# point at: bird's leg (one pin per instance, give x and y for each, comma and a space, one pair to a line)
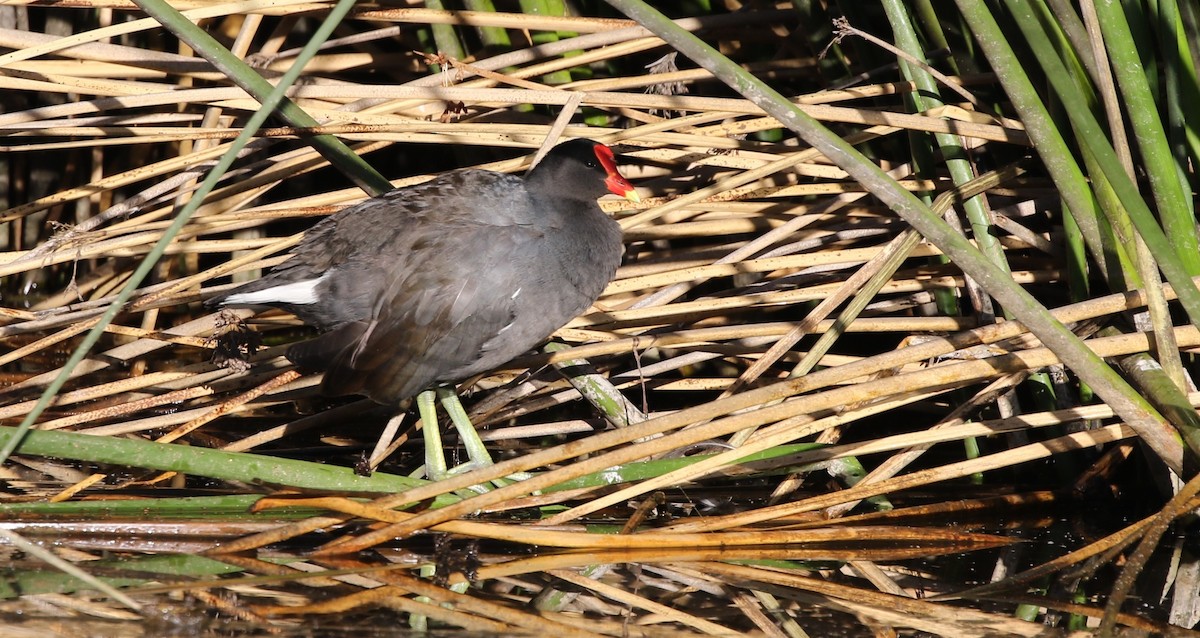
435, 460
435, 457
476, 450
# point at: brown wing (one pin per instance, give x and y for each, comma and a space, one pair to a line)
431, 325
349, 250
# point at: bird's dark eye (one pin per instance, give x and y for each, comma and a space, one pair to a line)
591, 164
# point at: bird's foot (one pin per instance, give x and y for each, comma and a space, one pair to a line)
475, 465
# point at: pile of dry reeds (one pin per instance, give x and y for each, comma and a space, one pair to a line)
821, 382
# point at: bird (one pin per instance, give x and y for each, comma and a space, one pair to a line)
419, 288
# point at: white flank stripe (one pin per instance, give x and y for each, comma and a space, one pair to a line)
299, 293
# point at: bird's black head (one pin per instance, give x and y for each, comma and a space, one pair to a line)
580, 169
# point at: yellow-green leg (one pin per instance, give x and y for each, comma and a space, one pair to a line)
476, 450
435, 456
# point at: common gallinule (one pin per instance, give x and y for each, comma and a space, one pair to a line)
424, 286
